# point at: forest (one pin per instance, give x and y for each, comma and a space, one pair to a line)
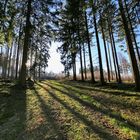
96, 96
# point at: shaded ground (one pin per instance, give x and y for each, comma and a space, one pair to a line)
67, 110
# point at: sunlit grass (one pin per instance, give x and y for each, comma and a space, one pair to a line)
124, 126
68, 110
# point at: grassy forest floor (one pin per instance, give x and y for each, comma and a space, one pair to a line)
68, 110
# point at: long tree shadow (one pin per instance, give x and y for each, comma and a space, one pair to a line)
104, 111
98, 130
124, 91
52, 124
102, 100
12, 112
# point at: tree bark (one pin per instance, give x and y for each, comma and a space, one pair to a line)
113, 54
6, 62
85, 69
13, 64
81, 63
132, 30
105, 48
74, 67
131, 52
2, 60
99, 51
22, 77
116, 57
10, 57
18, 51
35, 62
109, 56
89, 49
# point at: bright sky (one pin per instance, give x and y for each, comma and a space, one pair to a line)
54, 63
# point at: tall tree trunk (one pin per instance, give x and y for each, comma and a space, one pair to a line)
39, 71
85, 69
113, 54
89, 49
105, 48
10, 57
2, 60
22, 77
31, 61
130, 46
80, 50
99, 51
13, 61
116, 57
81, 63
6, 62
35, 62
39, 68
110, 62
18, 51
132, 30
74, 67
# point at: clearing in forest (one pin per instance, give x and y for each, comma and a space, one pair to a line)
68, 110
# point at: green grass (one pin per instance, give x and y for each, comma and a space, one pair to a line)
69, 110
